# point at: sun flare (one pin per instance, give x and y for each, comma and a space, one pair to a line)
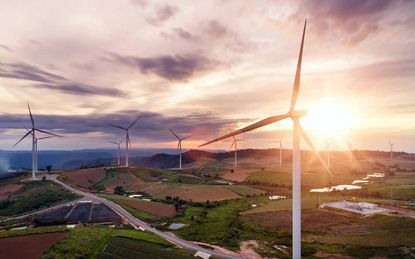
329, 117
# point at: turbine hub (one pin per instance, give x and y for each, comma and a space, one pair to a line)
297, 114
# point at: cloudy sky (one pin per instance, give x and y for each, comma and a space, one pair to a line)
205, 68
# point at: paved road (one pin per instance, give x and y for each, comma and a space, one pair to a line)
138, 223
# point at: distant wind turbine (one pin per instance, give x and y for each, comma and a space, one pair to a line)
127, 137
350, 152
179, 146
280, 148
391, 149
297, 133
235, 145
119, 150
33, 131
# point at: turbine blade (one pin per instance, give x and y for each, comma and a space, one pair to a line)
311, 145
186, 137
178, 145
122, 140
46, 132
112, 142
45, 137
298, 72
31, 116
25, 135
174, 134
256, 125
116, 126
134, 122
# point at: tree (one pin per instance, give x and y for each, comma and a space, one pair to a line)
119, 190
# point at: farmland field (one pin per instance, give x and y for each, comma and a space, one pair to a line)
8, 190
30, 246
309, 179
119, 177
157, 209
327, 227
238, 175
245, 190
84, 178
191, 192
121, 247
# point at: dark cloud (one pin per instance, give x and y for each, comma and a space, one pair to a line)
170, 67
183, 34
52, 81
81, 89
215, 29
352, 20
162, 13
152, 126
27, 72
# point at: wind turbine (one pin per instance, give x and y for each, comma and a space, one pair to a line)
297, 133
350, 152
36, 140
391, 148
179, 146
280, 148
235, 144
119, 150
127, 137
32, 131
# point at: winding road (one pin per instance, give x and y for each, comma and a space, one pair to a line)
138, 223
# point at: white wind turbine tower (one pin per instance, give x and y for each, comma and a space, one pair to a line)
36, 140
297, 133
391, 149
119, 150
32, 131
127, 137
350, 152
235, 145
179, 146
280, 148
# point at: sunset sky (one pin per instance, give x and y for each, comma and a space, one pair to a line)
205, 68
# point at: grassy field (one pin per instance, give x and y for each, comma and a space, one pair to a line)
309, 179
121, 247
35, 196
90, 242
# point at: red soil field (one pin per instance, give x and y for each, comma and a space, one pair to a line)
87, 177
158, 209
30, 246
239, 175
9, 189
128, 181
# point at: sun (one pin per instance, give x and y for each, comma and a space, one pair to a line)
329, 117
